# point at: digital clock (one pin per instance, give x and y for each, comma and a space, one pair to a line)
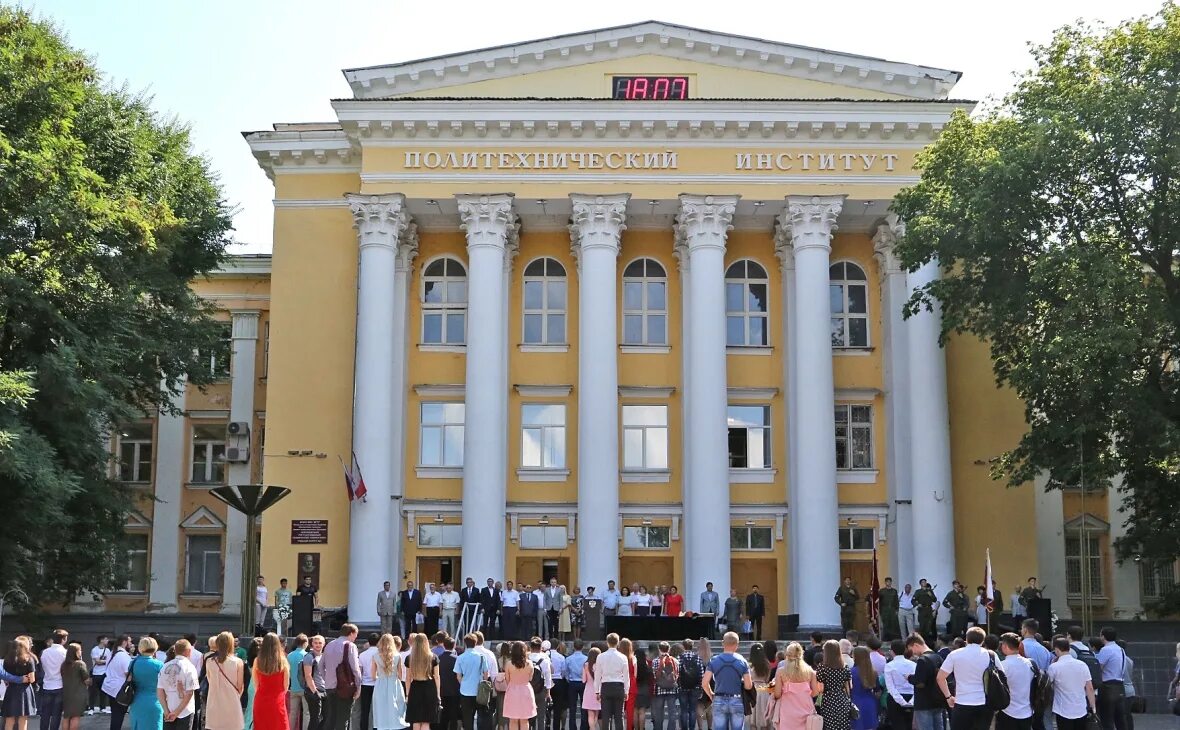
650, 87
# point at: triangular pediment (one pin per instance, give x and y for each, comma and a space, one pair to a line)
762, 68
202, 518
136, 521
1089, 522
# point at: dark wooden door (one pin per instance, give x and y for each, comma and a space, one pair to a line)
762, 572
861, 573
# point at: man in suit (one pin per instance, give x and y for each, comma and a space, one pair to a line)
529, 610
554, 600
411, 602
711, 603
489, 599
755, 610
386, 608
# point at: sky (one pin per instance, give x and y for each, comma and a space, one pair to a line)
227, 66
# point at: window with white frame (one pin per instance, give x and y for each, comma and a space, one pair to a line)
854, 436
751, 538
442, 434
544, 303
645, 303
440, 535
135, 453
645, 437
746, 288
137, 563
849, 291
538, 537
749, 437
1156, 579
208, 456
218, 359
1083, 573
202, 565
647, 537
857, 538
444, 303
266, 349
542, 435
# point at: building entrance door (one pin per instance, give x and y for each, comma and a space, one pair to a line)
439, 571
746, 573
646, 570
861, 573
530, 569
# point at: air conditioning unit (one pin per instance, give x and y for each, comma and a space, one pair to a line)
238, 428
237, 455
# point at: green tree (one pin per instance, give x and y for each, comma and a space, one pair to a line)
1055, 217
105, 217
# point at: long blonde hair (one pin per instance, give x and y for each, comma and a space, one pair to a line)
271, 658
793, 668
225, 646
420, 657
386, 650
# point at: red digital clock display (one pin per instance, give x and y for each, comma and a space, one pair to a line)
650, 87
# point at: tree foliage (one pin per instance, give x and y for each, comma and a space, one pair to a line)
105, 217
1055, 216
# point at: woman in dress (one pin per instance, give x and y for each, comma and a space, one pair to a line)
75, 681
627, 649
673, 602
272, 677
795, 688
248, 698
145, 711
732, 610
224, 674
577, 612
836, 706
626, 603
422, 695
20, 700
590, 701
520, 705
389, 696
642, 602
657, 601
642, 678
565, 624
760, 672
503, 661
866, 692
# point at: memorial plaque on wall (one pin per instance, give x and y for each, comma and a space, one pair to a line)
309, 565
309, 532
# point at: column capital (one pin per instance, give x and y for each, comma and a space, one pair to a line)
597, 221
488, 220
380, 220
245, 324
703, 220
407, 248
889, 232
782, 243
812, 219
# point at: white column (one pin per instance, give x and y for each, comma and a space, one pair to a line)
596, 228
894, 294
810, 222
1124, 577
407, 250
241, 408
1050, 522
930, 443
786, 256
166, 515
701, 226
691, 595
491, 227
381, 222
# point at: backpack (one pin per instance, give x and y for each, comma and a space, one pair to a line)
690, 677
996, 694
1040, 691
1087, 657
666, 674
536, 681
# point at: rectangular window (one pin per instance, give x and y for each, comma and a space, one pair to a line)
750, 538
1156, 580
135, 453
857, 538
854, 436
438, 535
218, 359
442, 434
646, 537
1077, 580
137, 563
537, 537
645, 437
203, 565
208, 454
542, 436
749, 437
266, 350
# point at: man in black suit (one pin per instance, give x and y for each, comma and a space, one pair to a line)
489, 599
449, 686
469, 595
411, 603
755, 610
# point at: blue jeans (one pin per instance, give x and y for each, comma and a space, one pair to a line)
728, 713
688, 708
50, 708
664, 711
930, 719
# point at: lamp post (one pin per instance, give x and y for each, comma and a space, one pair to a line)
251, 500
4, 599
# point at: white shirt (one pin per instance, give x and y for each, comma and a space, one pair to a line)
51, 660
194, 658
432, 599
625, 604
366, 659
905, 600
540, 594
542, 661
897, 682
116, 673
610, 599
450, 600
176, 678
510, 599
611, 666
967, 664
161, 656
641, 599
489, 661
260, 595
1020, 676
99, 653
1069, 677
878, 660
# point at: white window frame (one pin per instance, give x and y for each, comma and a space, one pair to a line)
646, 463
767, 433
1155, 580
142, 554
547, 434
444, 309
220, 360
204, 590
136, 445
748, 544
552, 271
643, 537
747, 315
266, 349
851, 532
844, 317
203, 451
645, 312
1073, 564
449, 535
849, 427
443, 427
552, 537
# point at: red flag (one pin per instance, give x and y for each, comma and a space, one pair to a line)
875, 599
348, 483
358, 480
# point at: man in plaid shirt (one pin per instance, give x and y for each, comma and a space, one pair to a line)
692, 671
666, 671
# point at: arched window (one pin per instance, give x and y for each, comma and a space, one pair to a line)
848, 289
444, 303
645, 303
544, 303
745, 304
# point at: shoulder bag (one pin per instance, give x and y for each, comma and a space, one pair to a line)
345, 681
126, 693
996, 695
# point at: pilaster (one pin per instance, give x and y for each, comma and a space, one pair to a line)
785, 252
244, 333
164, 568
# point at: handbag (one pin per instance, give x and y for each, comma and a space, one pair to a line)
483, 693
346, 687
853, 711
500, 683
126, 693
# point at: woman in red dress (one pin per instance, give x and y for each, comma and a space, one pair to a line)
272, 678
628, 650
673, 602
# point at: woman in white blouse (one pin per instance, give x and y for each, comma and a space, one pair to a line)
626, 603
642, 601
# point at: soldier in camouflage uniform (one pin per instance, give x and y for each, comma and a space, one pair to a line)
889, 605
926, 601
958, 604
847, 597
